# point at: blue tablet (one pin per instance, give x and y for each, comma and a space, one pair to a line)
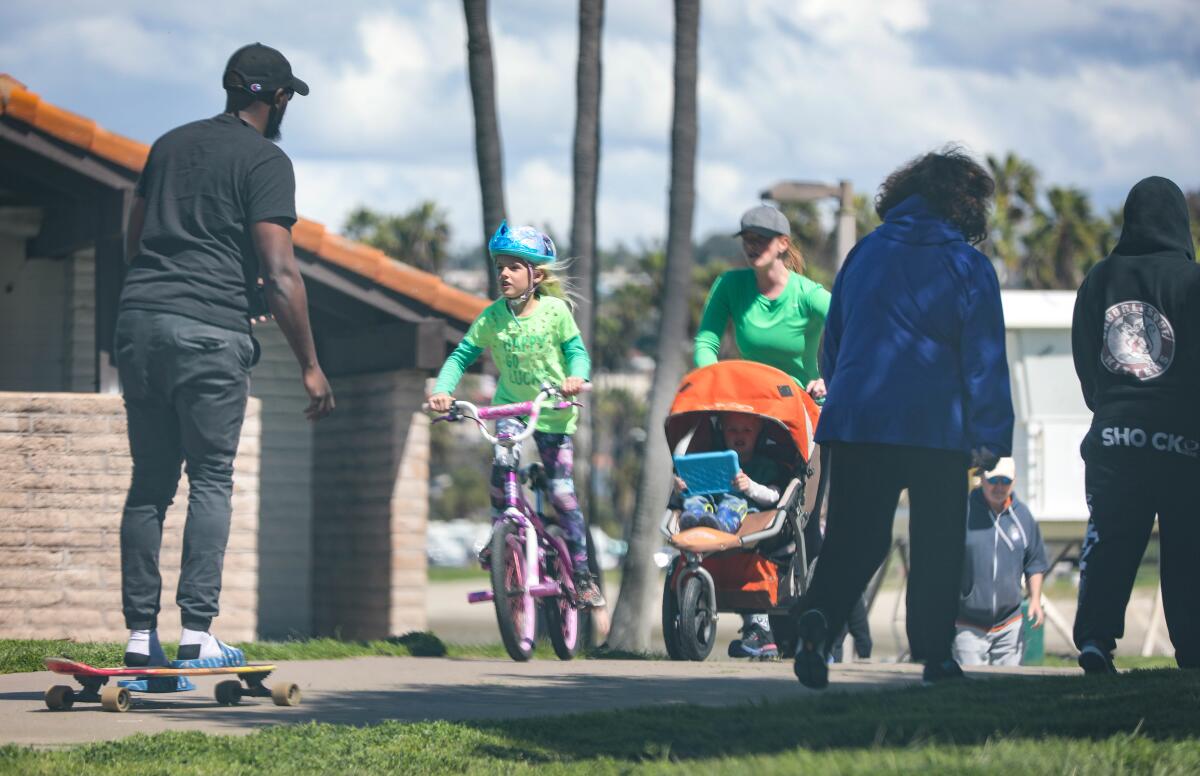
707, 473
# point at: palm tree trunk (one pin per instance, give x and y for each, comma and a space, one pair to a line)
488, 153
586, 266
639, 585
587, 163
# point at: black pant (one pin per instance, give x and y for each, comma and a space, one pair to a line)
185, 385
1127, 486
858, 625
865, 485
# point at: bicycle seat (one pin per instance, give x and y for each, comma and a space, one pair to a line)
535, 475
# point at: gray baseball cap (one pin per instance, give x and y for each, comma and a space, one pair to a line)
764, 220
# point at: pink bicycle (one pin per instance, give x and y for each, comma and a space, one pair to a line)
529, 561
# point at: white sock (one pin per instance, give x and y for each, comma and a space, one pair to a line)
209, 646
139, 642
761, 620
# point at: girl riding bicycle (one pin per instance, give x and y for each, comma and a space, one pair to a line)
534, 340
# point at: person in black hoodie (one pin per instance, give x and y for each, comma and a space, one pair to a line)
1135, 338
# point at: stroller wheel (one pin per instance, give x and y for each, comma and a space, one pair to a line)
697, 621
670, 617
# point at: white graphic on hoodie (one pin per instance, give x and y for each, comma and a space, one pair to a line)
1138, 341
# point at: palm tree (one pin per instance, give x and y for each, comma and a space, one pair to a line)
636, 606
587, 163
1065, 241
586, 267
420, 237
488, 151
1016, 209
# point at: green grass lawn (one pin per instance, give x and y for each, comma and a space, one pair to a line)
1125, 662
1142, 722
18, 656
437, 574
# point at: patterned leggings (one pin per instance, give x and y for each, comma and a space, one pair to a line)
558, 456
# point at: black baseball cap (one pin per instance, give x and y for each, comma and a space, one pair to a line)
261, 70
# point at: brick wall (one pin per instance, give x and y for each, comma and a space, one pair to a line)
64, 472
370, 490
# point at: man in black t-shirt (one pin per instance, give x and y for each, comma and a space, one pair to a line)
213, 213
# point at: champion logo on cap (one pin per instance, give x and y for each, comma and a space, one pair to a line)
256, 87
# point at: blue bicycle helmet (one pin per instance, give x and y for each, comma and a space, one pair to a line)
524, 242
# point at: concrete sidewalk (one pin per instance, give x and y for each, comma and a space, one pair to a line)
370, 690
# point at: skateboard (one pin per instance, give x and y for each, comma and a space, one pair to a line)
157, 679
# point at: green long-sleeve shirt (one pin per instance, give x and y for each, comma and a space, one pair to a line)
543, 346
783, 332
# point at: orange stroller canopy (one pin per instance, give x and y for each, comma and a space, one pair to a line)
743, 386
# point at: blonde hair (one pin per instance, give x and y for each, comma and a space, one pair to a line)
793, 259
556, 282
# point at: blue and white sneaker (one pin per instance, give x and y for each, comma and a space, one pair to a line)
210, 652
756, 643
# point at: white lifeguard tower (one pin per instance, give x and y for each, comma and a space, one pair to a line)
1051, 417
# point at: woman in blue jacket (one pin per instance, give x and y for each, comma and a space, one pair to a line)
918, 391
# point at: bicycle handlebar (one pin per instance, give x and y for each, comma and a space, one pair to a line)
531, 408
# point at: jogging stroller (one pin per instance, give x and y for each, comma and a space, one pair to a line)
764, 566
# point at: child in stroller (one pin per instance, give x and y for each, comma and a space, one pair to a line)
757, 481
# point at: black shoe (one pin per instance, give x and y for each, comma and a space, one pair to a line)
941, 671
756, 643
1094, 660
812, 666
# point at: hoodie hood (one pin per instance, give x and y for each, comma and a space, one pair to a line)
1156, 221
912, 221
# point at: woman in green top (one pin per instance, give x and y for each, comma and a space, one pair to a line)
778, 315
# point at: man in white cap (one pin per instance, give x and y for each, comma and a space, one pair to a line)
1003, 545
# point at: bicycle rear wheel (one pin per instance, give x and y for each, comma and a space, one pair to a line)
562, 618
514, 606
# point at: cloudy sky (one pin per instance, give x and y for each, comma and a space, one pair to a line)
1097, 93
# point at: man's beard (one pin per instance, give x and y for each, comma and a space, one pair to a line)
274, 121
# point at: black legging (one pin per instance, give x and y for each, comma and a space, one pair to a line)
865, 485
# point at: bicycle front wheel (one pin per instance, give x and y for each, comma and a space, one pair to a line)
514, 606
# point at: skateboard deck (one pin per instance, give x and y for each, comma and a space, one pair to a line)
63, 665
159, 679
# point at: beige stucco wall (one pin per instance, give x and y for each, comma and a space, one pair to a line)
64, 472
371, 502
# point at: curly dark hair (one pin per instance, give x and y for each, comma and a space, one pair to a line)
956, 187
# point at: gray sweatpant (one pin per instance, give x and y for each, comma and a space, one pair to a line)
185, 385
979, 647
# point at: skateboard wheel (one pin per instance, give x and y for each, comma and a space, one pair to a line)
285, 695
115, 699
60, 698
229, 693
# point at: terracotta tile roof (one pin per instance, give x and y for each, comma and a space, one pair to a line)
17, 102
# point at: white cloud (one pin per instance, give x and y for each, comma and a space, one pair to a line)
1097, 93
